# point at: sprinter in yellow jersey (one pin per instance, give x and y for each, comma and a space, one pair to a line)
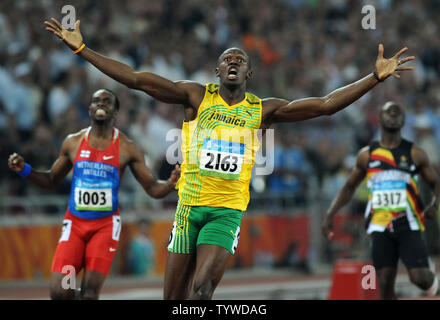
214, 184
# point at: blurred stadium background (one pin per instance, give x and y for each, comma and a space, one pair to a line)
299, 48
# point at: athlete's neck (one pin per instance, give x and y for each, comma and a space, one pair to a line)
390, 139
232, 95
102, 131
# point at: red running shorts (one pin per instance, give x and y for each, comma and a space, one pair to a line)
89, 244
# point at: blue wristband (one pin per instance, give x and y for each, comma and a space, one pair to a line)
26, 171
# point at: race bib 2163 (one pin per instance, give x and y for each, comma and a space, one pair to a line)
222, 159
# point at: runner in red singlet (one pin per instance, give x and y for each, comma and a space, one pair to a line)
91, 226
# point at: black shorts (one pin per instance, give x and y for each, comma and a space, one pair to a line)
387, 247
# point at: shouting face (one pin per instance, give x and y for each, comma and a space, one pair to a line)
233, 67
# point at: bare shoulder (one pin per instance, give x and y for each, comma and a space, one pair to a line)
125, 142
273, 103
417, 150
190, 85
364, 151
194, 92
270, 106
73, 139
128, 147
128, 150
363, 157
419, 156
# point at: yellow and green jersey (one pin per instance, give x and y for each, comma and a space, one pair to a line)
218, 149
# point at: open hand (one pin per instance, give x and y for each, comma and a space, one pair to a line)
73, 38
388, 67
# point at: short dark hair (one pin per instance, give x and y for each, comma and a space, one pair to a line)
114, 96
393, 103
237, 50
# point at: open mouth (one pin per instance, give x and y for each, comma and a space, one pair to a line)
101, 112
232, 74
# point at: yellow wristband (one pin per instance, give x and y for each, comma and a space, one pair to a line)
79, 49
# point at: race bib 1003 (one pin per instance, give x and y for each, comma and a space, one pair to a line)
222, 159
93, 199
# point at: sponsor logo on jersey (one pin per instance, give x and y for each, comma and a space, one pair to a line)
403, 162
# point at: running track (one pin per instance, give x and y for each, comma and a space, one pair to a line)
249, 285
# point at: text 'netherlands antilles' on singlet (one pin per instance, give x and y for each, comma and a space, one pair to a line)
96, 179
392, 181
219, 149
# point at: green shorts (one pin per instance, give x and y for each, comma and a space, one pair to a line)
195, 225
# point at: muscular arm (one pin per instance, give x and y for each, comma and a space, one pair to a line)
346, 193
52, 178
430, 175
280, 110
187, 93
162, 89
155, 188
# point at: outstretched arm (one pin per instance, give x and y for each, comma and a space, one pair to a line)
155, 188
187, 93
430, 175
50, 179
346, 193
280, 110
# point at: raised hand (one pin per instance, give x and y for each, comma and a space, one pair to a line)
388, 67
16, 162
73, 38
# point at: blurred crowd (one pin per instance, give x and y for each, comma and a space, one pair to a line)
299, 48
